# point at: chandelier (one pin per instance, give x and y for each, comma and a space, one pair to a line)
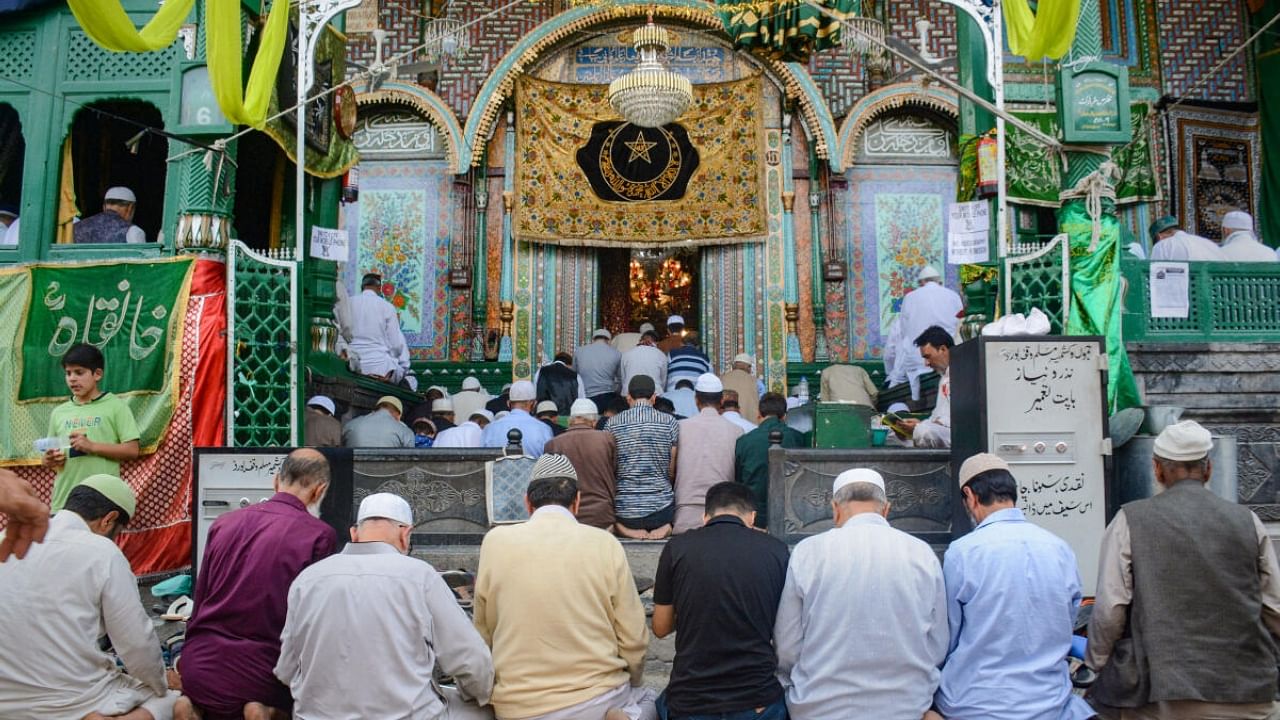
651, 95
865, 36
444, 38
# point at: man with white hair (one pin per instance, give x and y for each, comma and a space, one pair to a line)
467, 435
367, 628
594, 454
115, 223
707, 443
1012, 595
928, 305
1239, 244
556, 601
741, 379
472, 397
862, 626
534, 433
1188, 606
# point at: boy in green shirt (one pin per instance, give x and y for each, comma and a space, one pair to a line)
97, 426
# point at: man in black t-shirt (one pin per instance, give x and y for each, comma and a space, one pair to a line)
718, 587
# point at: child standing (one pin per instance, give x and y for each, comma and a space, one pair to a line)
97, 426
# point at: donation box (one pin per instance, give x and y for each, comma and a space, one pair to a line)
1040, 403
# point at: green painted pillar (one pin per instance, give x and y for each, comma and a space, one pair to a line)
480, 264
818, 284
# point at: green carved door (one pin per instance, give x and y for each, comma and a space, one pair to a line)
262, 371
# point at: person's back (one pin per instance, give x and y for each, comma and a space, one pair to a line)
644, 360
466, 435
558, 383
467, 401
594, 454
377, 429
321, 429
1242, 246
707, 443
722, 583
743, 383
104, 227
645, 438
597, 364
1183, 246
751, 452
848, 383
686, 362
928, 305
375, 333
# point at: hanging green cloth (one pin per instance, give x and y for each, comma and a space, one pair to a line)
243, 105
107, 24
1095, 294
789, 30
1046, 32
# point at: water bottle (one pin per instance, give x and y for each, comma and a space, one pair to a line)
802, 390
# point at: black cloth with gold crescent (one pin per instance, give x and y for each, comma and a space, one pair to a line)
629, 163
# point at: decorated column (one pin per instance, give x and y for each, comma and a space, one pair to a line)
480, 264
506, 304
791, 287
818, 292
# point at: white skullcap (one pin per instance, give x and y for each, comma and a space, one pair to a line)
646, 328
1237, 220
708, 383
602, 333
482, 413
675, 320
1183, 442
442, 390
523, 391
385, 505
547, 406
856, 475
322, 401
583, 407
744, 358
471, 383
442, 405
927, 273
899, 407
552, 465
500, 414
979, 464
120, 194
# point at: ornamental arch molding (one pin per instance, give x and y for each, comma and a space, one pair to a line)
427, 104
792, 78
900, 97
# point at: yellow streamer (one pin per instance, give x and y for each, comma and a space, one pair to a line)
247, 106
107, 24
1047, 32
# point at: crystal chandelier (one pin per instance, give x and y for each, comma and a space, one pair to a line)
862, 35
651, 95
444, 38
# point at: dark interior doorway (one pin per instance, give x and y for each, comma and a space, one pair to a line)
13, 149
110, 148
264, 191
648, 285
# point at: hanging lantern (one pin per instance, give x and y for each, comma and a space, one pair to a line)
988, 167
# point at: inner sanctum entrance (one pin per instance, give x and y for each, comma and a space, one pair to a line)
648, 285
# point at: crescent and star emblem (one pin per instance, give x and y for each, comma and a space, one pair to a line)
640, 148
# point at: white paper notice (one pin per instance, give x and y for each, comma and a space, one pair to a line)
329, 244
968, 231
1169, 290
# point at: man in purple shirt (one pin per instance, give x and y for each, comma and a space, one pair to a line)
241, 596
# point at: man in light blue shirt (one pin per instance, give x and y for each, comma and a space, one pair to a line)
1012, 594
534, 433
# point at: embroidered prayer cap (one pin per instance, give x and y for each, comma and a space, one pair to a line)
471, 383
1168, 222
523, 391
583, 407
856, 475
442, 405
1183, 442
120, 194
552, 465
321, 401
387, 506
482, 413
113, 489
390, 401
745, 359
675, 320
444, 392
602, 333
928, 272
1237, 220
547, 406
708, 383
978, 464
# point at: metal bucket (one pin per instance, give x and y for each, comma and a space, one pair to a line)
1159, 417
1135, 479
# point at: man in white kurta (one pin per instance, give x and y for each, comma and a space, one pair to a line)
376, 338
1239, 244
934, 349
928, 305
55, 603
862, 625
1173, 243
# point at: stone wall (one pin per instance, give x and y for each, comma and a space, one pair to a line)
1232, 389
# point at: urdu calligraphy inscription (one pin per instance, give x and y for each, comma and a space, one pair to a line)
112, 312
908, 136
397, 136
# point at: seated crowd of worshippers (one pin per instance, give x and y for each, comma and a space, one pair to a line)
858, 621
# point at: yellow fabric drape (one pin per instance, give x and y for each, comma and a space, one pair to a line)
67, 210
107, 24
243, 105
1047, 32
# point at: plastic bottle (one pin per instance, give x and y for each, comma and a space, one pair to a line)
802, 390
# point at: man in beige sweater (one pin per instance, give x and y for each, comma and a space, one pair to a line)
556, 602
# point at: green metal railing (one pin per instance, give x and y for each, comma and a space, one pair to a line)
262, 371
1229, 302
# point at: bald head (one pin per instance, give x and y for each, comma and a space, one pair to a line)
304, 474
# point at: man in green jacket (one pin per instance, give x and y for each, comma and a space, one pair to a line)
751, 455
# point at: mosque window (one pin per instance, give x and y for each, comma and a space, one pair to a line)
110, 148
12, 149
264, 191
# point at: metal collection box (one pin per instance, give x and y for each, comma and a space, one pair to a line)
842, 425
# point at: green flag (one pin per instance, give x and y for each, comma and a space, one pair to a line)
789, 30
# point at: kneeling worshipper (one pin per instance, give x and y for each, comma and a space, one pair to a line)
56, 603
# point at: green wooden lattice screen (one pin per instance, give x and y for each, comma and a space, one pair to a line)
262, 372
1039, 279
1229, 302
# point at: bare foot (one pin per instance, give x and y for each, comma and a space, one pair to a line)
628, 533
659, 534
616, 714
932, 715
258, 711
184, 709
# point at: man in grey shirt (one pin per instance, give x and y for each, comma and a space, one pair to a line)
597, 365
381, 428
367, 627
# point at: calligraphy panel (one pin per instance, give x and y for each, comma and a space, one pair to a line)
131, 311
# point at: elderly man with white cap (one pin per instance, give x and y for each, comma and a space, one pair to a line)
70, 590
470, 398
367, 628
1188, 607
1239, 244
927, 305
1012, 594
597, 364
467, 435
741, 378
707, 443
381, 428
1171, 242
319, 426
534, 433
594, 454
115, 223
556, 601
862, 626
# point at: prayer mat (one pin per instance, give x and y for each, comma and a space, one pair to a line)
506, 481
1217, 162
